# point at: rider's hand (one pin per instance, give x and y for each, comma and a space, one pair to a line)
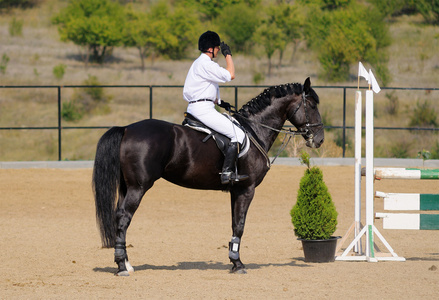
225, 105
225, 49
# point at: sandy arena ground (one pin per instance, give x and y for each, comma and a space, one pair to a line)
178, 243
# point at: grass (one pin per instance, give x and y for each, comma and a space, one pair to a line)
413, 62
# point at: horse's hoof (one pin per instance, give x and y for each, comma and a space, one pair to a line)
238, 271
130, 269
122, 273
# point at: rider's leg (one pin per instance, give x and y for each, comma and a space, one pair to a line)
228, 171
206, 113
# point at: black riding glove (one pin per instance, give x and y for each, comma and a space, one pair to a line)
225, 49
225, 105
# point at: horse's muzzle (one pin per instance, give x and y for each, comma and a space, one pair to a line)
313, 134
315, 140
313, 144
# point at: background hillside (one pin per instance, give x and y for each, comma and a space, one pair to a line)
33, 55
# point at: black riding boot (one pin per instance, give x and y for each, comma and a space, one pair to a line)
228, 175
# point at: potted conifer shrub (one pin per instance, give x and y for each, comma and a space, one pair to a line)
314, 215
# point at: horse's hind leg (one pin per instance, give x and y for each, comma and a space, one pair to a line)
127, 206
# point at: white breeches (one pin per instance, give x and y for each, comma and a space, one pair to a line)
206, 113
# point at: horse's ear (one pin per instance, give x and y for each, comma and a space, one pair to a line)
307, 85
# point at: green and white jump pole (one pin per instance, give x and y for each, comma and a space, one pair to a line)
405, 201
406, 173
409, 201
409, 221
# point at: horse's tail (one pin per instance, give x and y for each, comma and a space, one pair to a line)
106, 180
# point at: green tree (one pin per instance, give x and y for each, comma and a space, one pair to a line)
93, 24
326, 4
394, 7
334, 4
429, 10
161, 31
184, 32
7, 4
344, 36
290, 20
211, 9
239, 23
136, 33
271, 38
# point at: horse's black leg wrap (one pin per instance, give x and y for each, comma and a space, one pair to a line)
120, 256
124, 267
238, 266
234, 245
120, 253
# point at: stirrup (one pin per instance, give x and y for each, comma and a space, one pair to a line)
237, 177
230, 177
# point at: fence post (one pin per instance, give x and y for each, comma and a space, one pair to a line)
150, 101
59, 123
236, 97
344, 121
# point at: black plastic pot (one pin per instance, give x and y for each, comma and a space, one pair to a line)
320, 251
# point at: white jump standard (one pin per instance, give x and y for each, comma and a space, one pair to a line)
369, 231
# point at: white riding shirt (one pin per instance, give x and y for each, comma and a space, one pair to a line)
202, 83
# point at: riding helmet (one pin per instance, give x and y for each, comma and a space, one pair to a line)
207, 40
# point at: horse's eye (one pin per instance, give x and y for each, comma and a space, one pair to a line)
312, 104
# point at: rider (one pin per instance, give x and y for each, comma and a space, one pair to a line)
201, 90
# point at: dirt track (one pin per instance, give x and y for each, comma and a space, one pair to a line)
177, 243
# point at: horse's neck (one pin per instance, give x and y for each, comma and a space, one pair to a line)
267, 123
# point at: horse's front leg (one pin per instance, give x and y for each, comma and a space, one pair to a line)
240, 199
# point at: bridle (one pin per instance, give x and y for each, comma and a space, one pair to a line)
309, 135
307, 132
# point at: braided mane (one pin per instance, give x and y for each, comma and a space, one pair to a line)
263, 100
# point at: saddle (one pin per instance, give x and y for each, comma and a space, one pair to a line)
221, 140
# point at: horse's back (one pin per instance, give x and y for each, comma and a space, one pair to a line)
145, 147
148, 127
152, 149
144, 136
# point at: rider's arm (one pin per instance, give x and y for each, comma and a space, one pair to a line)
230, 66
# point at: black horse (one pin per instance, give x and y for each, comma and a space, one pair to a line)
130, 159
